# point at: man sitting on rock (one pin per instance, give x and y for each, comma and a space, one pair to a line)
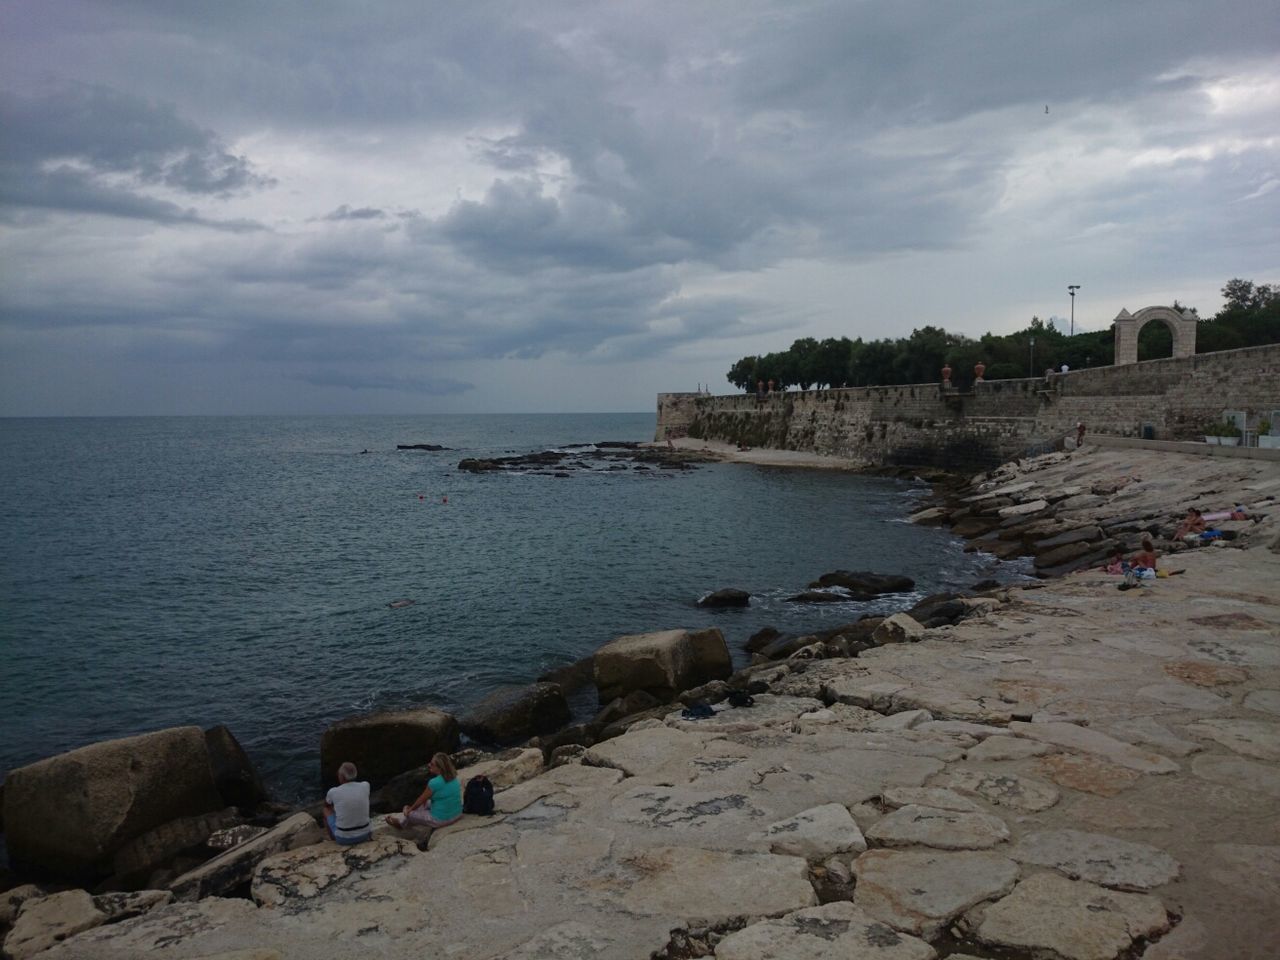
346, 808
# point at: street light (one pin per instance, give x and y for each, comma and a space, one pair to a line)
1071, 289
1032, 372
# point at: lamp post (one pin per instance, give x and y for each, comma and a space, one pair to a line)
1032, 371
1071, 289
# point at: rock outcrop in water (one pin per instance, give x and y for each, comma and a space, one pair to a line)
604, 456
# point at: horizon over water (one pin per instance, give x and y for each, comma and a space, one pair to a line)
160, 571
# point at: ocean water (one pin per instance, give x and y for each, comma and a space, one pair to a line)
239, 570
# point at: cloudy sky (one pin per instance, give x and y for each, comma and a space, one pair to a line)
297, 206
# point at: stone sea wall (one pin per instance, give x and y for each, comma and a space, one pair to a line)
924, 425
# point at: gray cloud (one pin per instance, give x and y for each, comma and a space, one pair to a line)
431, 387
346, 212
379, 188
84, 148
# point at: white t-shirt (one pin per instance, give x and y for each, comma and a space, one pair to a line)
350, 802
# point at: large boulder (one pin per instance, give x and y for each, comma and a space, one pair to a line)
865, 583
900, 628
233, 772
511, 714
137, 859
572, 677
382, 745
66, 816
661, 664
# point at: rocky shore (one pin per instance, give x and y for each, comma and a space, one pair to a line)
1069, 770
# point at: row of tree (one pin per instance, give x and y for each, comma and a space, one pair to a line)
1250, 317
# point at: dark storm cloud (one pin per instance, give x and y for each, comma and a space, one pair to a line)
470, 182
85, 148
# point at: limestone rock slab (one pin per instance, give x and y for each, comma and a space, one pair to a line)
938, 797
1184, 696
903, 720
943, 829
711, 884
1023, 509
660, 751
818, 933
767, 711
1258, 739
165, 931
1264, 701
11, 901
506, 773
1004, 789
571, 940
230, 869
1073, 737
46, 921
921, 892
685, 809
122, 906
1006, 748
816, 834
1098, 858
979, 731
1088, 773
1148, 731
305, 873
574, 779
1238, 773
1073, 919
868, 692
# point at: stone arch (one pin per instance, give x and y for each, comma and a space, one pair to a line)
1182, 327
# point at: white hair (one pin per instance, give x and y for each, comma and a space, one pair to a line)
347, 771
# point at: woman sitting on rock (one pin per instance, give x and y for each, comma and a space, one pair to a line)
1145, 559
1191, 527
440, 802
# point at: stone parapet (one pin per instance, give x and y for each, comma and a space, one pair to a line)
924, 424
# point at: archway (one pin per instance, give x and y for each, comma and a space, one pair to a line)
1181, 327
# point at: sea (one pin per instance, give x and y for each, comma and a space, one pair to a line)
162, 571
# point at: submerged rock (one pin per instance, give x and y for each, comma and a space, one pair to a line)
865, 583
728, 597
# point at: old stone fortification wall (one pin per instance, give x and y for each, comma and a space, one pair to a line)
997, 420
